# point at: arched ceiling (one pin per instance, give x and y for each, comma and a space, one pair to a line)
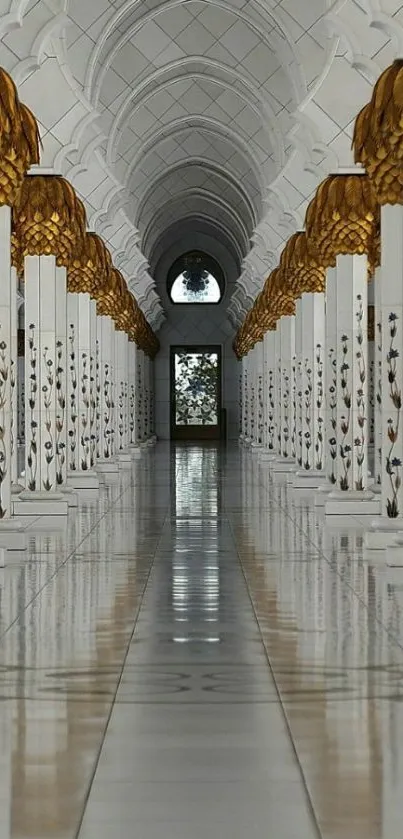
174, 116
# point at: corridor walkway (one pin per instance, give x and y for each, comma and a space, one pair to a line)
199, 656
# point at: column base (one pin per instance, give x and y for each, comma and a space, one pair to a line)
70, 496
3, 555
83, 480
322, 494
107, 466
304, 479
256, 448
352, 503
17, 488
266, 456
144, 444
283, 464
382, 533
124, 457
12, 536
135, 451
376, 489
39, 503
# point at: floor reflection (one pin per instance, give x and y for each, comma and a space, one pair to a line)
199, 651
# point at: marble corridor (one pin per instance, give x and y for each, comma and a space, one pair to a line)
196, 652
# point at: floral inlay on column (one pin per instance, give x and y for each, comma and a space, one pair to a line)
286, 403
121, 427
4, 373
294, 407
319, 409
32, 442
333, 415
93, 412
85, 440
60, 415
98, 398
300, 409
279, 389
379, 402
12, 389
359, 442
132, 406
307, 437
393, 464
345, 448
73, 401
47, 390
260, 410
108, 403
271, 425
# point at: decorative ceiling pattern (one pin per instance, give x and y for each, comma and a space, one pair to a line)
213, 117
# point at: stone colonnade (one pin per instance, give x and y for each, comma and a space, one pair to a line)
86, 385
339, 403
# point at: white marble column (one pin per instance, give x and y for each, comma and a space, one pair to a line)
257, 443
106, 416
9, 527
121, 400
285, 395
15, 486
132, 376
269, 396
390, 298
378, 380
81, 390
140, 398
42, 495
310, 352
331, 378
351, 494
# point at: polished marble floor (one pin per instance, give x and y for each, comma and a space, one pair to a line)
197, 655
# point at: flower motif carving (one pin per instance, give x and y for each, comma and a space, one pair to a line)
49, 444
359, 442
32, 442
108, 409
85, 420
286, 414
345, 419
319, 408
393, 464
332, 414
271, 416
4, 377
379, 403
60, 415
73, 400
307, 437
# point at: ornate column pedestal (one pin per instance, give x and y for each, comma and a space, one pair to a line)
351, 495
285, 351
11, 535
106, 463
42, 495
81, 457
310, 349
386, 527
134, 448
268, 453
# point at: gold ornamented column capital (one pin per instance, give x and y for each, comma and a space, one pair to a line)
88, 270
19, 140
378, 136
49, 218
343, 218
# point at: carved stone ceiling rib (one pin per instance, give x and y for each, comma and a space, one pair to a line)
223, 112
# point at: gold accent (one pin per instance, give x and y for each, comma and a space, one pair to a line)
300, 266
343, 217
378, 136
19, 140
88, 272
49, 218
